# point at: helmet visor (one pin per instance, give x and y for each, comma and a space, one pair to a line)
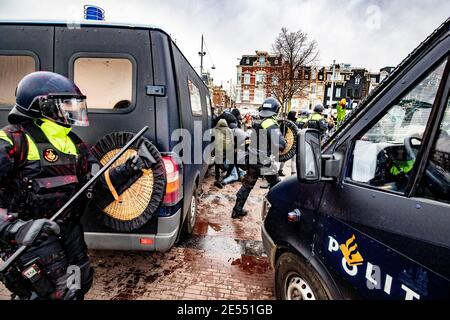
67, 110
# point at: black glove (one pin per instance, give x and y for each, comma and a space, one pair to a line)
145, 156
143, 159
34, 232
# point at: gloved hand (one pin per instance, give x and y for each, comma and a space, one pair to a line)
146, 156
143, 159
34, 232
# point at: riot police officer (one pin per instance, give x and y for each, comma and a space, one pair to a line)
42, 165
266, 140
317, 121
302, 120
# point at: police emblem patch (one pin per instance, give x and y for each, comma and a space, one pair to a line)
50, 155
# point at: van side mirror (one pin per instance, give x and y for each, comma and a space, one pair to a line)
309, 156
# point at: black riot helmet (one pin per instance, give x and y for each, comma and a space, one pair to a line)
319, 108
49, 95
269, 108
237, 114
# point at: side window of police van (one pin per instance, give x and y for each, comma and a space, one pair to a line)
196, 102
106, 82
435, 182
12, 69
384, 155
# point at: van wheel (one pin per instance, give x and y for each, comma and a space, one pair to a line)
295, 280
191, 217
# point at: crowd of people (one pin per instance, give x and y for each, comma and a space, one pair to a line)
231, 123
233, 136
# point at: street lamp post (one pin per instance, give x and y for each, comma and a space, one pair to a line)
202, 53
332, 85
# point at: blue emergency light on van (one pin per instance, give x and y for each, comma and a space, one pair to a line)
94, 13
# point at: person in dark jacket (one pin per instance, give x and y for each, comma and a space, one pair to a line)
266, 140
42, 165
237, 114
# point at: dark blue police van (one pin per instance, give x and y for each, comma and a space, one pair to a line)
368, 215
133, 76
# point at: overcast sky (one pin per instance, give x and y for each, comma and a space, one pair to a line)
367, 33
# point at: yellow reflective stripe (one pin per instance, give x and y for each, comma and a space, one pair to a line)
316, 116
3, 136
268, 123
33, 153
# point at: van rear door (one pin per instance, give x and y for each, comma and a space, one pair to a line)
23, 49
112, 66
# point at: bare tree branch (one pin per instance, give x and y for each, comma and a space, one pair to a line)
297, 52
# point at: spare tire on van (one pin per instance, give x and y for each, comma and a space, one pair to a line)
290, 132
139, 202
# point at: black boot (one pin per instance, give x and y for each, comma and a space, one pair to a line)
238, 210
238, 213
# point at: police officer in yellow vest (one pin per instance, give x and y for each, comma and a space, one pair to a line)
267, 139
317, 121
42, 165
302, 120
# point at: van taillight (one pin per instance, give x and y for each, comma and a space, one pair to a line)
173, 187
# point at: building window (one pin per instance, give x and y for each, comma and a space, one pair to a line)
259, 96
320, 77
259, 78
313, 89
296, 74
247, 78
313, 75
196, 104
262, 60
246, 96
347, 77
328, 92
338, 92
356, 93
247, 61
358, 80
12, 70
349, 92
306, 76
276, 61
107, 82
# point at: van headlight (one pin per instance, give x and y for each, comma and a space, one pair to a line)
265, 208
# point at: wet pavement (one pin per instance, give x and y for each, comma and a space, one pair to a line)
223, 259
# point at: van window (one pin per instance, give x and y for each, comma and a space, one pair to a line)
106, 82
12, 70
196, 103
208, 106
384, 155
436, 179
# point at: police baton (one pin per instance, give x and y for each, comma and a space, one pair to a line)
22, 249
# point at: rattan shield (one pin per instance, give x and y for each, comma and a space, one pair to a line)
137, 203
290, 132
